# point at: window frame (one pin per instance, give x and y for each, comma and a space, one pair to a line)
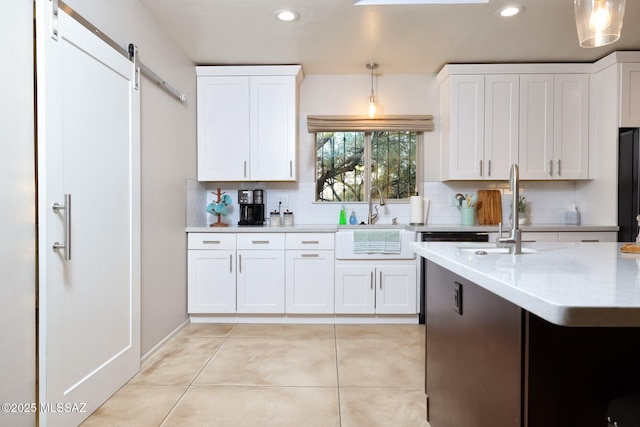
368, 159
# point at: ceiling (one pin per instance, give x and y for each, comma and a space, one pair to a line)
336, 37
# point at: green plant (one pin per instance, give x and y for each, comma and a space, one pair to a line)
522, 204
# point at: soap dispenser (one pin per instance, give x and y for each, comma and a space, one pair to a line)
343, 216
352, 219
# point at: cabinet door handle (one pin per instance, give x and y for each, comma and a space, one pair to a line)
590, 240
489, 168
245, 168
66, 246
550, 167
310, 242
371, 284
559, 174
290, 168
380, 284
230, 263
239, 263
260, 242
310, 255
211, 242
480, 167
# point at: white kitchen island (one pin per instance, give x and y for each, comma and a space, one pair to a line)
545, 338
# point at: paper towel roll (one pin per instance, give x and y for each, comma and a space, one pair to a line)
417, 210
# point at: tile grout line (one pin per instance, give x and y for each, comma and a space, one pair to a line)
335, 341
196, 376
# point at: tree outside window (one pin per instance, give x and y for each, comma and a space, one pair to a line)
349, 164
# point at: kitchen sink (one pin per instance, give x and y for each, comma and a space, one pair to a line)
344, 243
484, 250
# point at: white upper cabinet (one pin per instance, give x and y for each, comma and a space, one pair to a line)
463, 109
630, 94
502, 100
492, 118
481, 114
536, 126
571, 126
247, 123
554, 126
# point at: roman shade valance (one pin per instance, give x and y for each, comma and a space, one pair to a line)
413, 123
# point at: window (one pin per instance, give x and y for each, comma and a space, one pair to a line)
350, 164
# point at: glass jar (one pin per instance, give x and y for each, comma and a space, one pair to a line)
288, 219
274, 219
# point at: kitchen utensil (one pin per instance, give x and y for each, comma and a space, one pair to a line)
467, 215
489, 207
459, 197
632, 248
218, 208
221, 209
474, 199
211, 208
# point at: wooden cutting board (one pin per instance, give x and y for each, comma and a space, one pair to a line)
489, 207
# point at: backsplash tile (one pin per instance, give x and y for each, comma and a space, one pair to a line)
546, 202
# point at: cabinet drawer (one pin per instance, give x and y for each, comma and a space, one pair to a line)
587, 236
211, 241
260, 241
311, 241
542, 236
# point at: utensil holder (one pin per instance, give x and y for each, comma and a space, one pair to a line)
467, 215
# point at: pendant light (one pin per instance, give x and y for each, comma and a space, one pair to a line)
372, 100
599, 22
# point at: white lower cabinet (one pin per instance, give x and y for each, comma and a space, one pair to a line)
260, 281
211, 273
309, 273
380, 288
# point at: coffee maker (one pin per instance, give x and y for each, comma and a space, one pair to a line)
251, 207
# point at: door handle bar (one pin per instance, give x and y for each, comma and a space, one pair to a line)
66, 245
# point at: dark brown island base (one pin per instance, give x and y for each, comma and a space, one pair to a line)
490, 363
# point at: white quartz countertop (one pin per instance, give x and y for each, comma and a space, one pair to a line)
332, 228
569, 284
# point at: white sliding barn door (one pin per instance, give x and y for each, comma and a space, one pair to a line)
88, 149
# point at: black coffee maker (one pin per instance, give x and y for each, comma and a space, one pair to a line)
251, 207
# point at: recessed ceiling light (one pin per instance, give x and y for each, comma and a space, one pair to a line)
286, 15
511, 10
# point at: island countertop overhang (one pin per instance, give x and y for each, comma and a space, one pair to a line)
568, 284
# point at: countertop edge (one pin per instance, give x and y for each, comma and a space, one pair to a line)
562, 315
332, 228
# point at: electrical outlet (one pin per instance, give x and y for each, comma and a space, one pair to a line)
453, 202
283, 201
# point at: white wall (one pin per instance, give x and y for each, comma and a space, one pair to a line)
168, 157
17, 216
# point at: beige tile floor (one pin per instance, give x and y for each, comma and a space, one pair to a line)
277, 375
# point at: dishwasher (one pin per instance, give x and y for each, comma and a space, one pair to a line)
444, 236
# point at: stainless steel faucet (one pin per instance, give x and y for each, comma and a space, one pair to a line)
514, 240
373, 217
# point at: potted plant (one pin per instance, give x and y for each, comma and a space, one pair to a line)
522, 210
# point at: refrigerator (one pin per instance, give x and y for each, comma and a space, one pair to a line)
628, 184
